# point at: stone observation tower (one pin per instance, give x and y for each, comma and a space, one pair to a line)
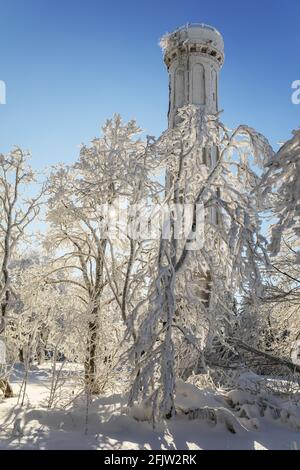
193, 55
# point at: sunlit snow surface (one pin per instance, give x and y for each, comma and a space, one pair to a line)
69, 424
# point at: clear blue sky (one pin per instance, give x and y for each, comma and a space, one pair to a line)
70, 64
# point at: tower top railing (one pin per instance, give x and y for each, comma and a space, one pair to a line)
198, 25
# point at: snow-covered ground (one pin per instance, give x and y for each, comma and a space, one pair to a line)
104, 424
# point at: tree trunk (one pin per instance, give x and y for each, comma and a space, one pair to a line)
256, 352
42, 345
21, 355
4, 383
90, 366
6, 388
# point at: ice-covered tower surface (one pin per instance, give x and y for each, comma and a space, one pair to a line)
193, 55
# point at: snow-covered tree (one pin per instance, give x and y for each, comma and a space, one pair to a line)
278, 316
82, 236
282, 179
17, 211
178, 311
